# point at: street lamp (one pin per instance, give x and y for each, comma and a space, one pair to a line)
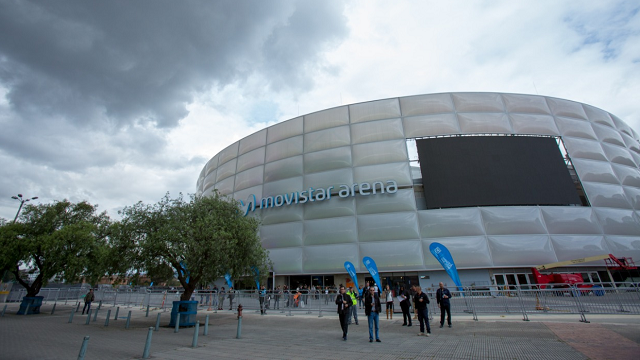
22, 201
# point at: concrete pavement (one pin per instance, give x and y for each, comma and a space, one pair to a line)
276, 336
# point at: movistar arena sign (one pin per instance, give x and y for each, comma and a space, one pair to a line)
321, 194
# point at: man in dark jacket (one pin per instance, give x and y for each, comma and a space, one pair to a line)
344, 303
442, 297
88, 299
372, 309
404, 305
421, 300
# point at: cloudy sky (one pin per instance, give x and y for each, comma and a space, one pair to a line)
117, 101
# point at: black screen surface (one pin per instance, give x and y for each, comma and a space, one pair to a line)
494, 170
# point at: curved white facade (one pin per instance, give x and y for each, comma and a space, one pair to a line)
367, 142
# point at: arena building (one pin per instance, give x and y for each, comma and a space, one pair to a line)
505, 181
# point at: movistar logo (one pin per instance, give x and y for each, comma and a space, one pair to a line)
320, 194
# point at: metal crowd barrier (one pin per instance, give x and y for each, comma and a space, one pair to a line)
604, 298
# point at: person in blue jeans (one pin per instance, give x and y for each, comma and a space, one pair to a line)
372, 309
422, 300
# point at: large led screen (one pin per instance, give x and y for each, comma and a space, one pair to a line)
494, 170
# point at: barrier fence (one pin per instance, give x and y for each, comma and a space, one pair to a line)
605, 298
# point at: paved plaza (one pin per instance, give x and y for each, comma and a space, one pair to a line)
276, 336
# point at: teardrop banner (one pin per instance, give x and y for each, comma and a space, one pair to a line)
257, 276
352, 272
373, 270
227, 277
443, 255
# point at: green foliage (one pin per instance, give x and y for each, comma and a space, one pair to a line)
60, 239
201, 240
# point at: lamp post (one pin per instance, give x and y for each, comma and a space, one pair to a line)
22, 201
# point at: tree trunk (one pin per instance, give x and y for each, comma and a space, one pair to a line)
188, 290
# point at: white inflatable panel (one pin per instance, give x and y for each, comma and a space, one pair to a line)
394, 255
283, 169
395, 171
513, 220
598, 116
618, 221
533, 124
226, 170
467, 252
478, 102
391, 226
450, 222
287, 260
606, 195
328, 209
584, 149
281, 235
633, 195
595, 171
285, 186
624, 246
484, 123
403, 200
561, 107
285, 130
618, 155
326, 119
329, 258
609, 135
249, 178
326, 179
576, 128
225, 187
627, 175
521, 251
228, 153
380, 152
528, 104
250, 159
377, 131
336, 230
573, 247
327, 160
428, 125
374, 110
284, 149
283, 214
327, 139
426, 104
252, 142
570, 220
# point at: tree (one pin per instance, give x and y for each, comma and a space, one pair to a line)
201, 240
61, 239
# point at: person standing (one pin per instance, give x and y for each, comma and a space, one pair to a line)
360, 296
261, 296
232, 294
344, 303
354, 309
388, 297
405, 301
221, 296
372, 309
442, 297
421, 301
277, 297
88, 299
214, 296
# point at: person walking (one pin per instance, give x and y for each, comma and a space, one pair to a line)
231, 295
88, 299
372, 309
421, 301
221, 296
405, 301
344, 303
261, 296
354, 309
442, 298
387, 295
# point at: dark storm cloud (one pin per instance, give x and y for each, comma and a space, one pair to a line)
103, 67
